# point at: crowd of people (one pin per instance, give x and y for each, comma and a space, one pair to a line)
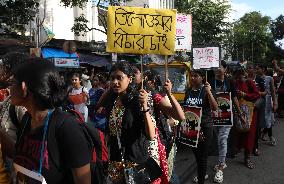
138, 115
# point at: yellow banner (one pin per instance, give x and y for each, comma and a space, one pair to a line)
141, 30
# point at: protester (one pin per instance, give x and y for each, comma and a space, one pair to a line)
95, 93
270, 103
259, 104
246, 89
79, 96
130, 123
166, 109
10, 115
201, 96
37, 86
222, 84
280, 90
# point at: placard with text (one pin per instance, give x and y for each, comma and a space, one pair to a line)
141, 30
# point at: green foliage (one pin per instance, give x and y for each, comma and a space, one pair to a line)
277, 28
15, 14
73, 3
209, 19
252, 37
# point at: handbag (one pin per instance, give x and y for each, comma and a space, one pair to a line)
247, 113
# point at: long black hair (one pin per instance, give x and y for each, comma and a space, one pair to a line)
43, 81
153, 76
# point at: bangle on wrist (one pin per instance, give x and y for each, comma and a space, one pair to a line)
144, 111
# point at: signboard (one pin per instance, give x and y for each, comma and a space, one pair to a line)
141, 30
224, 115
35, 52
190, 128
183, 32
66, 62
206, 57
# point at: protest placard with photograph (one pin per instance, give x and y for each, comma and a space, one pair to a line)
224, 115
141, 30
206, 57
183, 32
190, 128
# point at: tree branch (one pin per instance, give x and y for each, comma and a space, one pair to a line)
93, 28
100, 19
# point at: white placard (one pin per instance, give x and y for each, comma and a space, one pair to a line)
206, 57
66, 62
183, 32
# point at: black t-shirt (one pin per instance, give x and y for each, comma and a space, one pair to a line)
73, 148
199, 98
224, 86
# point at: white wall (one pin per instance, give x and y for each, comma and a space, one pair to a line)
59, 19
159, 4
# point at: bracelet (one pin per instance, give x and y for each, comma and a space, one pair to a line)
144, 111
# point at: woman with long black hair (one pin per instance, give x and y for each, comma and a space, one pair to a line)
37, 86
130, 122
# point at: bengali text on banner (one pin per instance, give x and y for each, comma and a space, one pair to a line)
141, 30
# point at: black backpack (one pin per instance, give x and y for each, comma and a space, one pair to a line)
94, 136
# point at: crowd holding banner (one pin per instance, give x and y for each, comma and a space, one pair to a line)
126, 132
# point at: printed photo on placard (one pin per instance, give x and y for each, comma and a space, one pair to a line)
224, 115
190, 128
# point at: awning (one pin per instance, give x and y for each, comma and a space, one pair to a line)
94, 60
56, 53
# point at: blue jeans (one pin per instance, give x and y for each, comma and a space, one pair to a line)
223, 133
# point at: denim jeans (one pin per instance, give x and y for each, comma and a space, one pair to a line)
223, 133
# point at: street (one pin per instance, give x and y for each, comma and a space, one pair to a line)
269, 166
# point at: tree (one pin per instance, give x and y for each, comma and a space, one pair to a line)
277, 28
251, 37
16, 14
209, 19
80, 26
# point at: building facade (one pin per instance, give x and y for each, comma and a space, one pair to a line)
60, 19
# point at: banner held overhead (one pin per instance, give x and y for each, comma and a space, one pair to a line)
141, 30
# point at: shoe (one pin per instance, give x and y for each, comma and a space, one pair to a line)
218, 178
256, 152
221, 166
249, 164
195, 179
272, 141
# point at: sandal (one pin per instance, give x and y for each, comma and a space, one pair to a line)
272, 141
249, 164
195, 179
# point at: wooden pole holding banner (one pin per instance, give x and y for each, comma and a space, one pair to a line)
206, 76
166, 68
142, 72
